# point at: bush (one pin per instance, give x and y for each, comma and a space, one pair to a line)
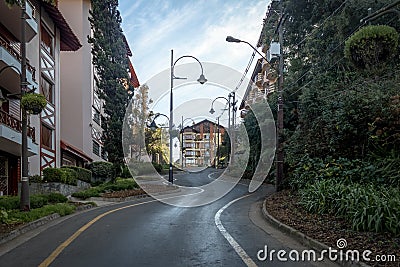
34, 214
81, 173
365, 207
120, 184
126, 172
380, 171
158, 167
372, 45
36, 179
90, 192
9, 202
36, 201
56, 198
58, 175
102, 170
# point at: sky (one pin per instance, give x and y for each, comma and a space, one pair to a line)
190, 27
193, 27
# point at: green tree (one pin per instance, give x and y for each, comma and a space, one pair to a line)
111, 63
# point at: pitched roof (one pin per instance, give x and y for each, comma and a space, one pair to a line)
69, 41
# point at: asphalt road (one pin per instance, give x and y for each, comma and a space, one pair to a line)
146, 232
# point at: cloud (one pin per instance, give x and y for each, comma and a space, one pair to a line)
197, 28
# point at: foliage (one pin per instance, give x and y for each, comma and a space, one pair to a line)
36, 201
36, 179
33, 103
367, 207
37, 213
158, 167
371, 46
377, 171
102, 170
81, 173
110, 60
60, 175
9, 202
119, 185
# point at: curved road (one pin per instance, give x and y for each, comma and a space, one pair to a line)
150, 233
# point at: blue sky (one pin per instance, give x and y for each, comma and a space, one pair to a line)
193, 27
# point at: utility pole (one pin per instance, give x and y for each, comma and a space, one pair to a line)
232, 133
25, 201
280, 152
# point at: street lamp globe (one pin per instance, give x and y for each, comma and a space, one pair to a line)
202, 79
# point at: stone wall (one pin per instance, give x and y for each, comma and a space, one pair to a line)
65, 189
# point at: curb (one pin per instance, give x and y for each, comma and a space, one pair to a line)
304, 239
36, 224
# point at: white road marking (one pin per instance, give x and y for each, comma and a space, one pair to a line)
239, 250
209, 176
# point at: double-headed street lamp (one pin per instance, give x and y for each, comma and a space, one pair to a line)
202, 79
279, 146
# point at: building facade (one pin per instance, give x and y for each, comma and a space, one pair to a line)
82, 113
47, 34
200, 143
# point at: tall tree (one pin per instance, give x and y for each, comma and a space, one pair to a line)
111, 63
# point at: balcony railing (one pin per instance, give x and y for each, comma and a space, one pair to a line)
14, 50
15, 124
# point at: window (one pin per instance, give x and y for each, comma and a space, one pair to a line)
46, 136
47, 40
96, 148
46, 89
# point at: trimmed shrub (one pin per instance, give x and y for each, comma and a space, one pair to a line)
60, 175
36, 179
372, 45
102, 170
38, 201
158, 167
81, 173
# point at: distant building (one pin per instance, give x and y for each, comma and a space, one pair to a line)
47, 34
200, 143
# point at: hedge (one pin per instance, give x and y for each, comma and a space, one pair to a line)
81, 173
65, 175
36, 201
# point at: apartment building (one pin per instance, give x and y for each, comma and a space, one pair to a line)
200, 143
82, 113
47, 35
263, 81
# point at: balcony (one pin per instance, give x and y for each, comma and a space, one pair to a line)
11, 138
11, 19
10, 56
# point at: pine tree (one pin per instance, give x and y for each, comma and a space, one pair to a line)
111, 63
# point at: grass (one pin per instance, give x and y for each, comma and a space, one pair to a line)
119, 185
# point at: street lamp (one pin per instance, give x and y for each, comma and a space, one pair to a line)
202, 79
279, 146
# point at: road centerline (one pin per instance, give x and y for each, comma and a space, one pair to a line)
67, 242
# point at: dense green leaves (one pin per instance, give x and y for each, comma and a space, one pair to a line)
372, 46
110, 59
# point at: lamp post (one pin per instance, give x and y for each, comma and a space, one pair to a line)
202, 79
24, 201
279, 146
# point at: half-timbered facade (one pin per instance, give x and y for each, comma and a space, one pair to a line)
47, 33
